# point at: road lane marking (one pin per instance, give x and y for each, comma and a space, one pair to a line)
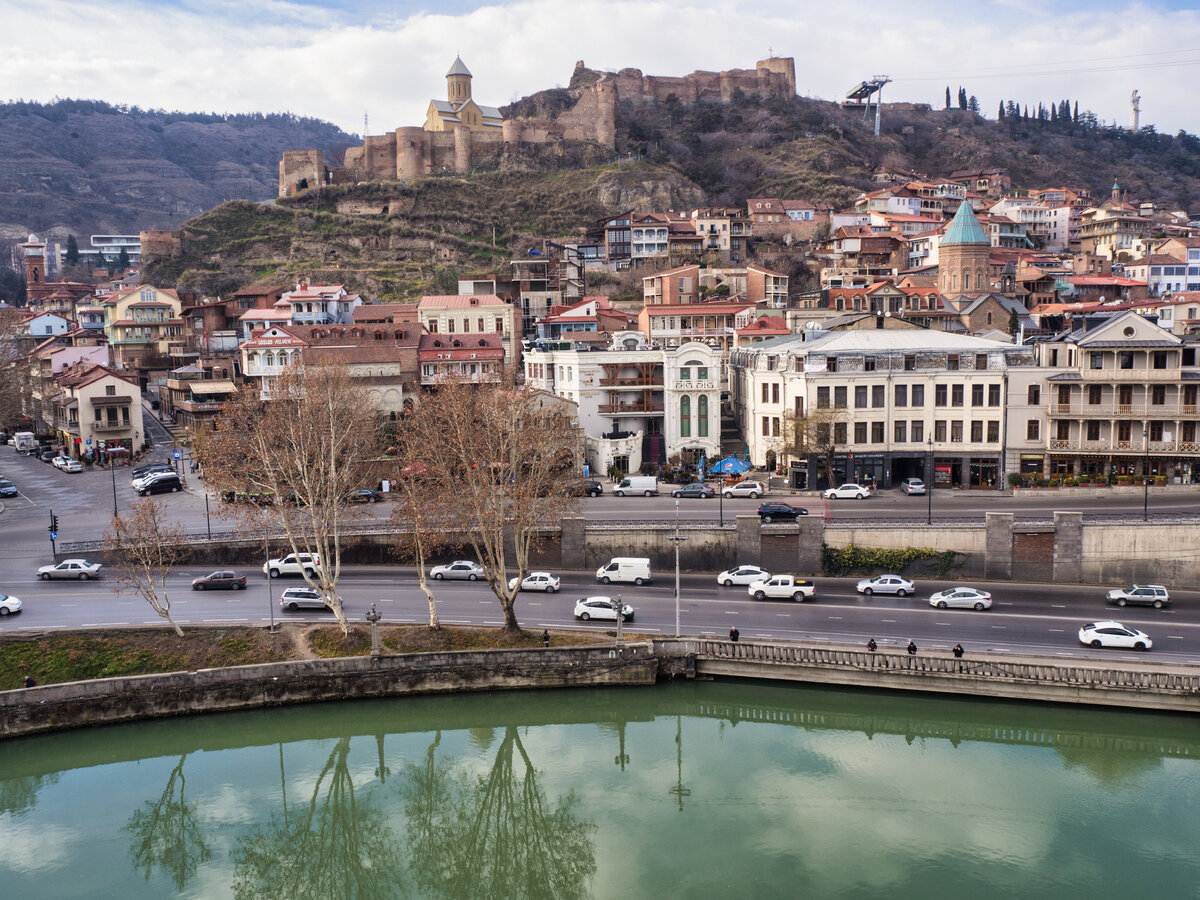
1175, 637
1058, 606
783, 615
1000, 627
834, 617
946, 624
1059, 630
889, 621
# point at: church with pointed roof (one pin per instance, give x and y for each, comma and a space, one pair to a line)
459, 108
963, 256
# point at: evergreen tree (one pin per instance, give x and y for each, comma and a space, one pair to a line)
72, 250
947, 96
962, 98
1014, 322
1076, 117
1053, 113
973, 104
123, 259
1026, 114
1000, 111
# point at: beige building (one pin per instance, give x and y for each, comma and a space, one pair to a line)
97, 410
459, 109
457, 314
140, 322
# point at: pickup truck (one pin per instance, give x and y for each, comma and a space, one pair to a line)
781, 587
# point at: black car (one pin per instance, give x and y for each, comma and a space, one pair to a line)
587, 487
778, 512
366, 495
47, 454
695, 489
164, 484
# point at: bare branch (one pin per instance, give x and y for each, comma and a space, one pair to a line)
145, 548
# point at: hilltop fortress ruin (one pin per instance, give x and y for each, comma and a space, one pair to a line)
460, 134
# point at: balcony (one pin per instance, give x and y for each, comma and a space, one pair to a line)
105, 426
696, 385
1130, 375
649, 381
631, 408
1140, 410
1134, 447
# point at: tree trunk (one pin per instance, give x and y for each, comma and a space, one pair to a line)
510, 617
434, 621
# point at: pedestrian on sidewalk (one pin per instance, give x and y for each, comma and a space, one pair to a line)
546, 637
734, 634
912, 648
872, 646
958, 651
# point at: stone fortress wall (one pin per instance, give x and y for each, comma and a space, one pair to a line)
411, 151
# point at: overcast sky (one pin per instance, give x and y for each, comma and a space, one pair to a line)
336, 59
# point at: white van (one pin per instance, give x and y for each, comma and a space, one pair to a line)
23, 441
646, 485
624, 568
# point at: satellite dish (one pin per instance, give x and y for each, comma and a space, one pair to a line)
887, 314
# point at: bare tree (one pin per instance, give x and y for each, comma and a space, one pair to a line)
419, 533
14, 367
817, 433
502, 452
145, 549
297, 458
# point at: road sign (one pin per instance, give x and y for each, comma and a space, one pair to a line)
178, 455
586, 470
89, 442
54, 535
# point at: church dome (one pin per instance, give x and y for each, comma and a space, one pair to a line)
459, 68
964, 228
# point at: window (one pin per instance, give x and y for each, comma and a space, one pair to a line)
1158, 395
976, 432
110, 390
918, 395
450, 325
876, 432
1125, 359
775, 426
831, 364
910, 362
956, 431
952, 362
839, 432
799, 401
499, 329
860, 397
993, 395
900, 395
939, 430
901, 432
1125, 395
1187, 432
766, 428
1033, 430
774, 393
701, 373
878, 396
940, 393
981, 358
1160, 359
685, 374
1095, 360
766, 392
860, 432
1095, 393
1092, 429
702, 416
918, 431
822, 398
839, 397
479, 322
956, 395
1156, 431
1062, 431
977, 395
467, 325
868, 364
1189, 395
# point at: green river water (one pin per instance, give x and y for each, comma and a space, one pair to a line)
682, 790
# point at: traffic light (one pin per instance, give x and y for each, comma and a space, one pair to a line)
53, 523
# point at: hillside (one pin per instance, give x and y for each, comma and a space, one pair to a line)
84, 167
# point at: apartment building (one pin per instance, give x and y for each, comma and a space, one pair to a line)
455, 314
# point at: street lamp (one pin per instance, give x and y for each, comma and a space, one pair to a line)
929, 485
113, 472
1146, 473
676, 539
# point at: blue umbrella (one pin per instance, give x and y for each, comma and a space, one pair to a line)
730, 464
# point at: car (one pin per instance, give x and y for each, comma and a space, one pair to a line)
885, 584
912, 486
1114, 634
781, 587
60, 461
293, 564
961, 598
7, 488
771, 512
73, 466
751, 489
587, 487
47, 455
302, 598
151, 467
70, 568
169, 483
366, 495
137, 481
9, 604
849, 491
742, 575
222, 580
695, 489
460, 569
537, 581
601, 608
1140, 595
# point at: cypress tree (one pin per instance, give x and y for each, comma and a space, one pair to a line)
1076, 119
947, 96
1000, 111
72, 250
962, 98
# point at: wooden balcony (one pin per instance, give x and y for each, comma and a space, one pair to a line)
631, 408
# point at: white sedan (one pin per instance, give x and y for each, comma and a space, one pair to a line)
60, 461
72, 465
601, 608
9, 604
848, 492
70, 568
460, 568
742, 575
886, 584
1114, 634
961, 598
536, 581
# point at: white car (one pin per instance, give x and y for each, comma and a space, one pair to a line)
1140, 595
751, 489
460, 568
848, 492
60, 461
302, 598
536, 581
961, 598
886, 584
72, 465
601, 608
9, 605
1114, 634
293, 564
782, 587
912, 486
742, 575
70, 568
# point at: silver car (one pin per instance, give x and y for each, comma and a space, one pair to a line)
462, 569
751, 489
302, 598
886, 584
961, 598
70, 568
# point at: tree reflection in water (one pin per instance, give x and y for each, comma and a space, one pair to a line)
339, 847
166, 834
495, 836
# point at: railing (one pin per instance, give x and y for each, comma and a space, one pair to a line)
632, 381
111, 426
1083, 409
630, 408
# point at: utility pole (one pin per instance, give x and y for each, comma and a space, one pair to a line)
676, 539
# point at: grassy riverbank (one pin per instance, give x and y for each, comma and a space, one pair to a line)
61, 657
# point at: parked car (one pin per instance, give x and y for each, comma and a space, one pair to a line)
70, 568
696, 490
221, 580
168, 483
366, 495
886, 584
1114, 634
601, 608
46, 455
302, 598
751, 489
146, 468
848, 492
138, 480
742, 575
646, 485
586, 487
460, 569
1140, 595
775, 512
7, 488
9, 604
60, 461
781, 587
537, 581
961, 598
293, 564
73, 466
912, 486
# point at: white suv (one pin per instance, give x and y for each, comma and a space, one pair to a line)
293, 564
751, 489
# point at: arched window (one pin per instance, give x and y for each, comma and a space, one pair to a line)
966, 281
702, 416
989, 318
685, 417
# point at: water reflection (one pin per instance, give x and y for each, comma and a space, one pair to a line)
166, 833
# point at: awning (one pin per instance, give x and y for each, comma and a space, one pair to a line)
112, 400
213, 387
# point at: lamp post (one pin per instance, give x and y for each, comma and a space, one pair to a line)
113, 472
676, 539
1146, 474
373, 616
618, 606
929, 486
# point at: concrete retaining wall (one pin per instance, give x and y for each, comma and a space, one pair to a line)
1163, 554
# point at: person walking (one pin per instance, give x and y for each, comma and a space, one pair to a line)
958, 651
734, 634
872, 646
912, 648
546, 637
29, 682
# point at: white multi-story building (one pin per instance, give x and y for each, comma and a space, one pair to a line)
637, 404
900, 401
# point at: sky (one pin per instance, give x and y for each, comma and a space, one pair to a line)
339, 60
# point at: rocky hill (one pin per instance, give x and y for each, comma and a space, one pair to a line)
84, 167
